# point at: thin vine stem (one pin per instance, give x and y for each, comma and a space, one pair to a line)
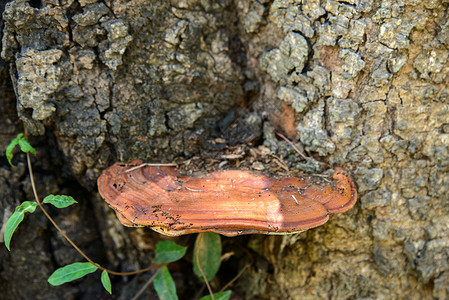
36, 198
200, 236
235, 278
145, 286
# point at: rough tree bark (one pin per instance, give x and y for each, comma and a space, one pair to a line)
357, 84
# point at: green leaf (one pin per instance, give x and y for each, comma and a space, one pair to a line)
106, 281
11, 146
60, 201
24, 146
16, 218
164, 285
71, 272
218, 296
167, 251
207, 252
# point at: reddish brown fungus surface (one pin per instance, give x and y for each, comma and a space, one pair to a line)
227, 202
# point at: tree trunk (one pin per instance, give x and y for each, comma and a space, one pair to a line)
360, 85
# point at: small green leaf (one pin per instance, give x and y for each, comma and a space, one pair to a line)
60, 201
167, 251
11, 146
106, 281
164, 285
207, 252
16, 218
218, 296
71, 272
25, 146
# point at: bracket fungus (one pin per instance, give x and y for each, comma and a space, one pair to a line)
227, 202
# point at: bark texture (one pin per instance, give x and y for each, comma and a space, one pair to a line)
355, 83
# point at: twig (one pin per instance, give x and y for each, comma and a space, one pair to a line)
199, 292
148, 165
201, 270
293, 145
145, 286
36, 198
280, 163
235, 278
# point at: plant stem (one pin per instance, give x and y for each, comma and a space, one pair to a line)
36, 198
145, 286
235, 278
200, 236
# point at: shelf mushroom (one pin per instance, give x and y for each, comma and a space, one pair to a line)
229, 202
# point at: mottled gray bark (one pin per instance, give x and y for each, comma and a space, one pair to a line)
356, 84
